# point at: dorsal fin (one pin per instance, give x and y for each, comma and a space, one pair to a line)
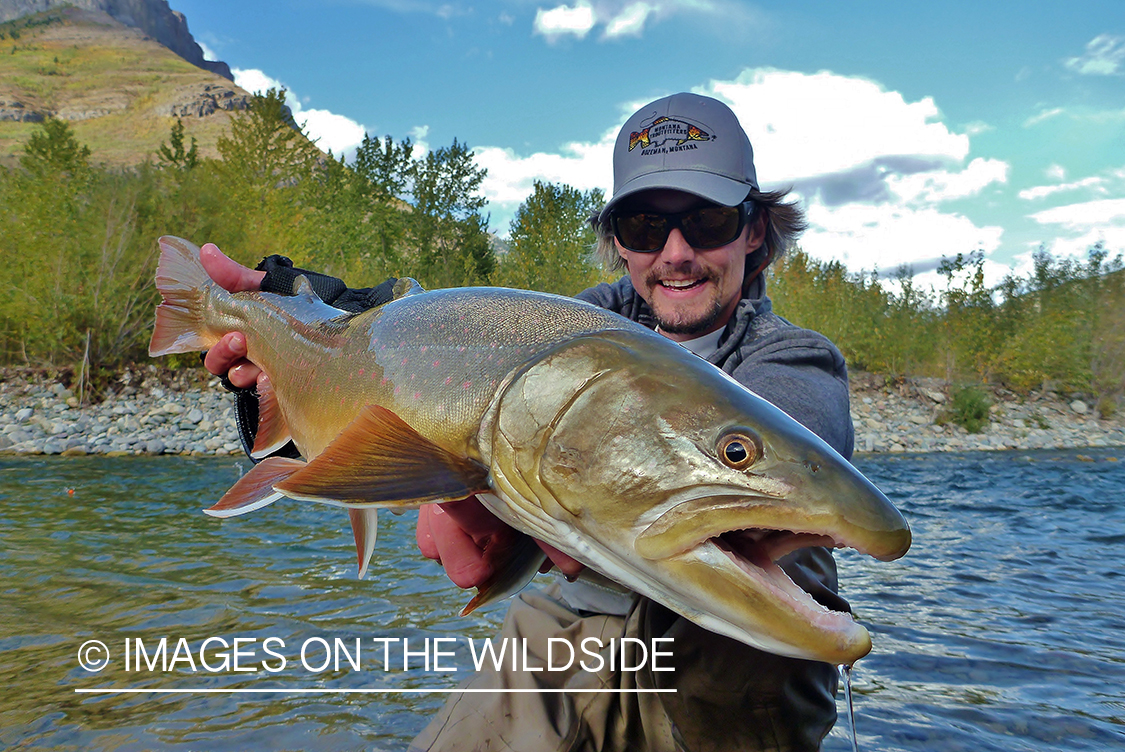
303, 288
406, 286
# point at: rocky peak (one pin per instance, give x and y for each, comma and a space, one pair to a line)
153, 17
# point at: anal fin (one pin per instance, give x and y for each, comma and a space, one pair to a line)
380, 461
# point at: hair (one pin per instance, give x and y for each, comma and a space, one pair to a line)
785, 221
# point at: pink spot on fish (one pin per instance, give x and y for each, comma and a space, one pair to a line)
448, 379
417, 395
437, 363
360, 372
466, 385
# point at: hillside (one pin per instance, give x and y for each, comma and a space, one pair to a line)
120, 88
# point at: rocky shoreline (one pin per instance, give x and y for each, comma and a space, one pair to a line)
161, 412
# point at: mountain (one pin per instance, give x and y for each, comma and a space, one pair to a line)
121, 71
153, 17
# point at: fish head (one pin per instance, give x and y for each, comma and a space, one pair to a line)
657, 469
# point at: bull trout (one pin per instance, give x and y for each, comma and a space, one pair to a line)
572, 424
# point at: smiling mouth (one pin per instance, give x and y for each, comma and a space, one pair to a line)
681, 284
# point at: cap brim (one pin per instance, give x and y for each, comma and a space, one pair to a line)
707, 185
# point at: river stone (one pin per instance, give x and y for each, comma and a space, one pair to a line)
154, 446
935, 395
920, 420
24, 414
1079, 407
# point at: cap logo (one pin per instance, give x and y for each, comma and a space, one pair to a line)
654, 138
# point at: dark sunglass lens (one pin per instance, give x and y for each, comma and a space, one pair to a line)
711, 226
642, 232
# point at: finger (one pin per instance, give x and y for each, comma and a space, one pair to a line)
463, 560
245, 374
226, 353
228, 357
567, 565
474, 518
424, 535
228, 273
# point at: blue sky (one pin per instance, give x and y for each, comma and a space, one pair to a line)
910, 131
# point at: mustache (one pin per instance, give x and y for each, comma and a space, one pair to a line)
656, 276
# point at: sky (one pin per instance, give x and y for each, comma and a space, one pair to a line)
909, 131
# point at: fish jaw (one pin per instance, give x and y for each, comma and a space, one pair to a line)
598, 453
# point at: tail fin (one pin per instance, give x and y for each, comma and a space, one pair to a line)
182, 282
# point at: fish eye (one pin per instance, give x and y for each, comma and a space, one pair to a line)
738, 451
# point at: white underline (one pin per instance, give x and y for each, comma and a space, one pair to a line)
131, 691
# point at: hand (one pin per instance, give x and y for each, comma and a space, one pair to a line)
460, 535
229, 355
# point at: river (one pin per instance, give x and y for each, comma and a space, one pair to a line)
1002, 629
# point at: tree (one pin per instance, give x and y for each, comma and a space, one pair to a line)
174, 154
53, 148
551, 240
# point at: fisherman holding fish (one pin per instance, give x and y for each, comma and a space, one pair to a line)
694, 234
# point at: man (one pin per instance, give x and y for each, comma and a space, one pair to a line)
690, 226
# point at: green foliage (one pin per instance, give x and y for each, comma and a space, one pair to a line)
53, 149
551, 240
79, 247
968, 408
173, 153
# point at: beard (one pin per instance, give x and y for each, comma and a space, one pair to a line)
675, 320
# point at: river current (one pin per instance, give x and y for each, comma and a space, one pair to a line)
1002, 629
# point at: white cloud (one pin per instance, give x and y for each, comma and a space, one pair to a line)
935, 186
1056, 172
1105, 56
208, 53
329, 130
1107, 211
885, 237
872, 168
564, 19
1041, 191
806, 126
511, 177
630, 21
1084, 224
1041, 116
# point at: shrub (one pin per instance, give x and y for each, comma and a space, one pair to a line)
968, 408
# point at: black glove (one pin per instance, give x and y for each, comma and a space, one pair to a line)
279, 279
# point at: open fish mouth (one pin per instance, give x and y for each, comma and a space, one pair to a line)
761, 547
756, 552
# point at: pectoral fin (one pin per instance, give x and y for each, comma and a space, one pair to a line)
255, 489
513, 569
380, 461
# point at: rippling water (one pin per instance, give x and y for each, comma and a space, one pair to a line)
1003, 629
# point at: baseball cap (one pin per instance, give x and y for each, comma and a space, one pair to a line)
685, 142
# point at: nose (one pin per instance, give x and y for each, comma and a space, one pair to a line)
676, 250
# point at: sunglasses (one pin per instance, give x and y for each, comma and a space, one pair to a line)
703, 228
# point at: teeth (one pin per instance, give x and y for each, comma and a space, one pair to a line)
678, 284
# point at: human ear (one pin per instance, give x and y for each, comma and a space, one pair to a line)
757, 234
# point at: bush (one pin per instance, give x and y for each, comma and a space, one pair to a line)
968, 408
